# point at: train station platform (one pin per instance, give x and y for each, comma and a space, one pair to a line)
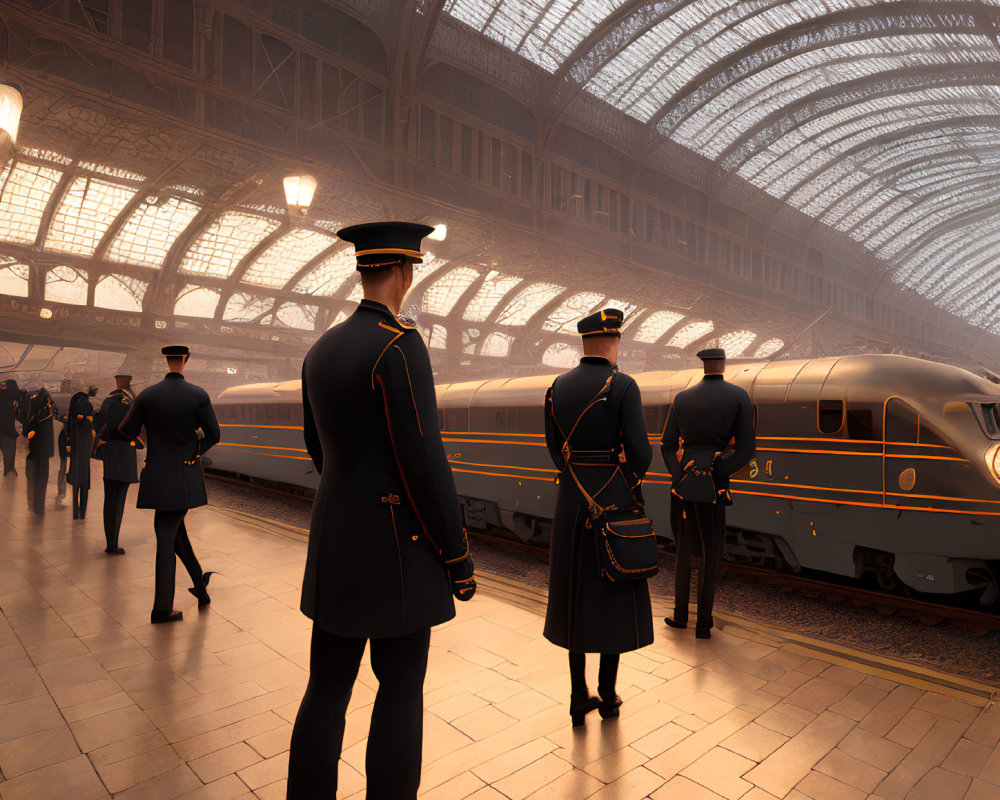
95, 702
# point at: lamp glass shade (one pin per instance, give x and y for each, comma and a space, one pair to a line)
11, 105
299, 191
439, 233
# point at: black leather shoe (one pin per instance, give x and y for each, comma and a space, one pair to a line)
674, 623
115, 551
579, 707
703, 633
610, 703
157, 616
201, 592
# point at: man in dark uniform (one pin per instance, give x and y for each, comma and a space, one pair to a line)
600, 410
36, 425
8, 434
708, 437
118, 455
386, 546
180, 426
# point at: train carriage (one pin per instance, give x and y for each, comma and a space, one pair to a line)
880, 465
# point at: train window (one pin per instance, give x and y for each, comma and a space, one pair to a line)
901, 423
456, 419
488, 419
441, 418
989, 418
862, 423
656, 418
786, 419
830, 416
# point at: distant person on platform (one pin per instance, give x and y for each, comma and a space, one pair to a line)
36, 425
599, 410
118, 454
79, 427
708, 437
9, 397
386, 546
180, 426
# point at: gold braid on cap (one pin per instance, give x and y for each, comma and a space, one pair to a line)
384, 250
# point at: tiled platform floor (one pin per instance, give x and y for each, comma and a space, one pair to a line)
96, 702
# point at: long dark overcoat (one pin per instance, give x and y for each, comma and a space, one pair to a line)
117, 452
9, 396
79, 428
36, 425
386, 519
172, 411
586, 612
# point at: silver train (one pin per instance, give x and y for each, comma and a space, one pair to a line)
878, 467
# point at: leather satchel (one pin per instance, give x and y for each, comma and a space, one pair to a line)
626, 540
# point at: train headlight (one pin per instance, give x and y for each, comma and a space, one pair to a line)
993, 460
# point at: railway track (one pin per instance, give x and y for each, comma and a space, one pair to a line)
924, 611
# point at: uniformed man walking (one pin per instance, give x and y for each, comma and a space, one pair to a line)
173, 412
9, 397
708, 437
36, 425
118, 455
600, 411
386, 545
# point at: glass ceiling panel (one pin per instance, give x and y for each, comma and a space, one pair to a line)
735, 343
329, 275
13, 277
492, 290
496, 345
528, 302
147, 235
544, 31
768, 348
244, 307
779, 90
120, 292
562, 355
715, 125
85, 213
570, 311
294, 315
691, 333
655, 325
441, 296
284, 258
197, 301
220, 248
66, 285
26, 193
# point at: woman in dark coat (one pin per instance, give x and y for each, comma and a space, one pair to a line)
586, 612
80, 440
36, 425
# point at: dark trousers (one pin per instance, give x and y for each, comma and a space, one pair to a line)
80, 496
607, 674
395, 738
698, 528
172, 543
8, 448
114, 510
61, 479
37, 469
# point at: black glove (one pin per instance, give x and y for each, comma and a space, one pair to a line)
462, 577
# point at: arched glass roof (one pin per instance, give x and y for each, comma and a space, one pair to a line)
879, 118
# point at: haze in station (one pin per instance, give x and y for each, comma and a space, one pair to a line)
781, 179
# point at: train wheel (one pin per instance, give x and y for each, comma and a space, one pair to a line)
986, 587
